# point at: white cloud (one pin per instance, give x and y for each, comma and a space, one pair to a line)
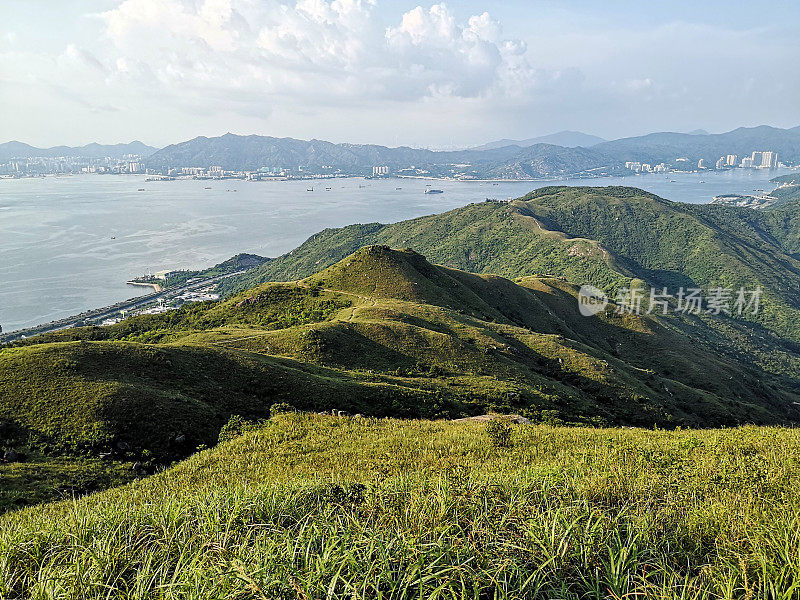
314, 52
361, 70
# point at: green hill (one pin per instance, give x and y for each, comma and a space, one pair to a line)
386, 332
603, 236
383, 333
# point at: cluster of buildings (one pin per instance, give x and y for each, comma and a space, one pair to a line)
66, 165
757, 160
639, 167
765, 159
262, 174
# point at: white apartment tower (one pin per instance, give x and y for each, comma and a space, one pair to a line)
769, 160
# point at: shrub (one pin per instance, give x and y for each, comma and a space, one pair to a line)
235, 427
499, 432
280, 408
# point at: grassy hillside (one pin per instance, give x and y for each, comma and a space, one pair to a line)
490, 237
312, 507
382, 333
605, 236
387, 333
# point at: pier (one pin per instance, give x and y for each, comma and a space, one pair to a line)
98, 315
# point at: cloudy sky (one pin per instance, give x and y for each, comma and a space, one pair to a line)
392, 72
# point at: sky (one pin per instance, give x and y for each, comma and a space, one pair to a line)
391, 72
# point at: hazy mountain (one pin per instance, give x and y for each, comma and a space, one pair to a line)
665, 147
16, 149
236, 152
543, 160
245, 153
568, 139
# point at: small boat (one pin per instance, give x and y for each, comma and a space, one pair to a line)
311, 189
141, 189
327, 188
113, 237
398, 188
432, 191
206, 188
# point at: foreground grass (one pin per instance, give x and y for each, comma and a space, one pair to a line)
315, 507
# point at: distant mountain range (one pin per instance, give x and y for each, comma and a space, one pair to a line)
519, 160
567, 153
665, 147
11, 150
567, 139
247, 153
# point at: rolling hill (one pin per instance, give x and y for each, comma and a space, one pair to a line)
383, 333
603, 236
10, 150
489, 321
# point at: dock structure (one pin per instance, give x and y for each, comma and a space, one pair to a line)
98, 315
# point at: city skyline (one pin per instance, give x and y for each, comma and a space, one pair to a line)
391, 73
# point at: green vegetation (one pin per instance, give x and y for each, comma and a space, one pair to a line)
602, 235
382, 333
606, 236
232, 265
42, 478
312, 507
294, 505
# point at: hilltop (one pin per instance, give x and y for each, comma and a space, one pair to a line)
666, 146
15, 149
567, 139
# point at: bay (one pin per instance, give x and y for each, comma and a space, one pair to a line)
68, 244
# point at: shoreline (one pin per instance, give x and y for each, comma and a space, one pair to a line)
156, 286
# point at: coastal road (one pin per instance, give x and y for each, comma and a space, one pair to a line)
107, 312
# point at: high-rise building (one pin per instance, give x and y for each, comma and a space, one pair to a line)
701, 164
769, 160
383, 170
731, 159
722, 163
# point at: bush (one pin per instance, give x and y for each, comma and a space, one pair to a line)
280, 408
235, 427
499, 432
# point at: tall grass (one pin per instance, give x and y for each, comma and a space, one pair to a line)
312, 507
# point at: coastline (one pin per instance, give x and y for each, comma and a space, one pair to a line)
156, 286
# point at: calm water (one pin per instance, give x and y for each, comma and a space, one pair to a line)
68, 244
